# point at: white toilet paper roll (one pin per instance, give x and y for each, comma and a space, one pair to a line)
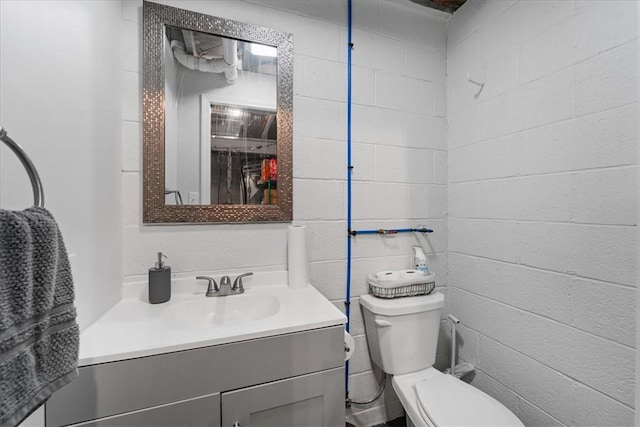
297, 257
349, 346
387, 276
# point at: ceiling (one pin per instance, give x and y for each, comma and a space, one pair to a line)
449, 6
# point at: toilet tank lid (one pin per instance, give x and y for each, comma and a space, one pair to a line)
403, 305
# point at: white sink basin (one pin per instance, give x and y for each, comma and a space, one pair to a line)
134, 328
207, 313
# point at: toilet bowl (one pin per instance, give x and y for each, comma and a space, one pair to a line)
403, 334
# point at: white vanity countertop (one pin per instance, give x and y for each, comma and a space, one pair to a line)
135, 328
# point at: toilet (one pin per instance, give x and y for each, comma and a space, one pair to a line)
403, 335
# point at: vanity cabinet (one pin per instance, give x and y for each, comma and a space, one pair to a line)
294, 379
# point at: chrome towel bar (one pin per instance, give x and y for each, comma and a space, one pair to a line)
38, 193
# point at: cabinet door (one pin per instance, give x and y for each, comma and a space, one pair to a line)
309, 400
199, 412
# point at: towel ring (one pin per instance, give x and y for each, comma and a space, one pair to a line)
38, 193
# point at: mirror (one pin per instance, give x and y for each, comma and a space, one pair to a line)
217, 126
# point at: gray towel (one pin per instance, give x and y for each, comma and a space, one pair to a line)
39, 336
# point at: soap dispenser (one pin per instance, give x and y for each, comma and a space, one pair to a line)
159, 282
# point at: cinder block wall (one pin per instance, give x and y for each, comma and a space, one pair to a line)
399, 155
542, 199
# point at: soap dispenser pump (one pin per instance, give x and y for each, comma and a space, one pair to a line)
159, 282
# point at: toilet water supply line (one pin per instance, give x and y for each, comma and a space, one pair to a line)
350, 232
454, 322
463, 368
347, 302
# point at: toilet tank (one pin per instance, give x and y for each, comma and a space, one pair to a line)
402, 332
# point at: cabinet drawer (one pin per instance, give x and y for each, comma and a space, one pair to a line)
114, 388
201, 412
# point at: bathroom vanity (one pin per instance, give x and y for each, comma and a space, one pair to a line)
285, 368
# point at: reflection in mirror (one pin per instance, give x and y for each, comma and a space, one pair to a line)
244, 165
217, 128
227, 154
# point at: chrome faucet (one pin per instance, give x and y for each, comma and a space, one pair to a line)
238, 288
225, 287
212, 289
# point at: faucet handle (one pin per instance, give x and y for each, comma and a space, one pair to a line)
213, 286
237, 284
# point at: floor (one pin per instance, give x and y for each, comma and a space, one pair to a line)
398, 422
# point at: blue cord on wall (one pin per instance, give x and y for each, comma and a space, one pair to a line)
349, 170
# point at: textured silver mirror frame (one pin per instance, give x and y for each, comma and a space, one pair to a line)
154, 209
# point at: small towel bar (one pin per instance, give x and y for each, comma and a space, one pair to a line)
38, 193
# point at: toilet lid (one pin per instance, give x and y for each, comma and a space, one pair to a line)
448, 401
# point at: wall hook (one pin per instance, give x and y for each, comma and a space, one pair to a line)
477, 83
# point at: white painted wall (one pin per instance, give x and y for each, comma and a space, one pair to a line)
399, 152
542, 198
60, 85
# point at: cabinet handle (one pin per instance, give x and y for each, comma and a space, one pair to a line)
236, 424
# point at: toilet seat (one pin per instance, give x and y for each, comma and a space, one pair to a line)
434, 399
448, 401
